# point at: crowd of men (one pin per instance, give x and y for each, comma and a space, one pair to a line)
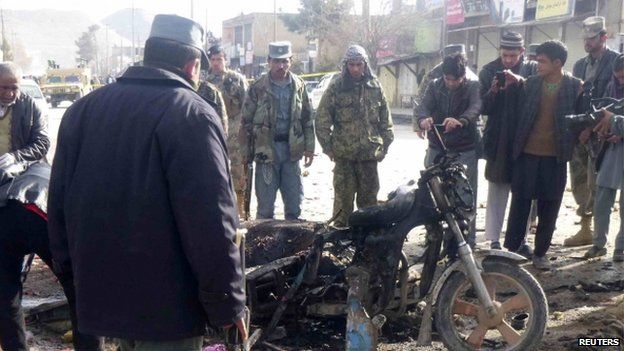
139, 222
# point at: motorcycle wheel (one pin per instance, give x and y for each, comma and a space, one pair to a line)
464, 325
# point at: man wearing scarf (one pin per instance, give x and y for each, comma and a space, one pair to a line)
354, 128
610, 167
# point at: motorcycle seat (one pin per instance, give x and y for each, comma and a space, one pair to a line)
397, 208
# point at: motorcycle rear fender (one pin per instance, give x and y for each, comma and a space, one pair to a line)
480, 256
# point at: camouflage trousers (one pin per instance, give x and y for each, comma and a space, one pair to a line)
237, 168
354, 180
583, 179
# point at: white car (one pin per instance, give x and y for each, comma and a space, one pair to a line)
31, 88
317, 93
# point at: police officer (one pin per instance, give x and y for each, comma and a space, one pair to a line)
233, 87
595, 70
278, 132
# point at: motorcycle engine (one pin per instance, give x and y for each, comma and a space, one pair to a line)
459, 191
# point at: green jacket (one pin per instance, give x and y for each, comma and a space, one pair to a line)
259, 118
212, 95
354, 121
233, 88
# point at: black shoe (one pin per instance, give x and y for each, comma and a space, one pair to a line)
525, 250
495, 245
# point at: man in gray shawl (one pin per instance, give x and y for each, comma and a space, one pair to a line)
354, 128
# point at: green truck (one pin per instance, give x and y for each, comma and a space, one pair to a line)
66, 84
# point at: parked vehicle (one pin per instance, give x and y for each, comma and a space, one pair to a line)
482, 300
31, 88
317, 92
66, 84
310, 85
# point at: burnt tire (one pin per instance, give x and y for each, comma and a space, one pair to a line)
500, 272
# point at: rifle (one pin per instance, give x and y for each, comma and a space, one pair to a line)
249, 170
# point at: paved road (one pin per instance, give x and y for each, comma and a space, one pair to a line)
403, 163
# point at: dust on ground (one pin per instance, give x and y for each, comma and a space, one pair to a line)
581, 294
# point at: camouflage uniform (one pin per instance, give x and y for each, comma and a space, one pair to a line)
211, 94
260, 117
233, 87
353, 122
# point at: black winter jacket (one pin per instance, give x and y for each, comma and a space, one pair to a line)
502, 110
142, 210
29, 131
463, 104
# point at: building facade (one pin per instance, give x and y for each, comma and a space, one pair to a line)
246, 40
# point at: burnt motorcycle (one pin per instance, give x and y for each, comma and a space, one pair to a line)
481, 300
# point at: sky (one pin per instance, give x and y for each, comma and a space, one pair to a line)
216, 11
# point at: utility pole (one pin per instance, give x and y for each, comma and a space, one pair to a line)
366, 19
3, 38
444, 25
132, 54
274, 20
106, 53
192, 9
121, 49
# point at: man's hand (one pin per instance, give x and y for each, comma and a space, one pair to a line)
603, 127
584, 136
241, 328
308, 158
614, 139
494, 88
426, 124
450, 124
511, 79
7, 160
330, 154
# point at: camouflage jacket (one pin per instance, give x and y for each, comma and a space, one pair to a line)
259, 118
213, 96
354, 121
233, 87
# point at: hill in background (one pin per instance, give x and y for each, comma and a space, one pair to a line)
41, 35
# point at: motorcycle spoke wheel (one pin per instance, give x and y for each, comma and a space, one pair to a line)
510, 335
490, 284
465, 308
465, 325
518, 302
476, 337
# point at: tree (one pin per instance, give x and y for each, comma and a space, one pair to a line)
211, 39
21, 56
326, 20
87, 44
7, 54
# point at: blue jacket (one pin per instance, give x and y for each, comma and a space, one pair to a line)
142, 210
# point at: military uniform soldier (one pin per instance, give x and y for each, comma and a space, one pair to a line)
211, 94
595, 70
354, 128
278, 132
233, 87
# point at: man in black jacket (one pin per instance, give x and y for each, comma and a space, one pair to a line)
141, 206
24, 143
500, 104
595, 71
453, 104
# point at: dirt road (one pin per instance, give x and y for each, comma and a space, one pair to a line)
576, 302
